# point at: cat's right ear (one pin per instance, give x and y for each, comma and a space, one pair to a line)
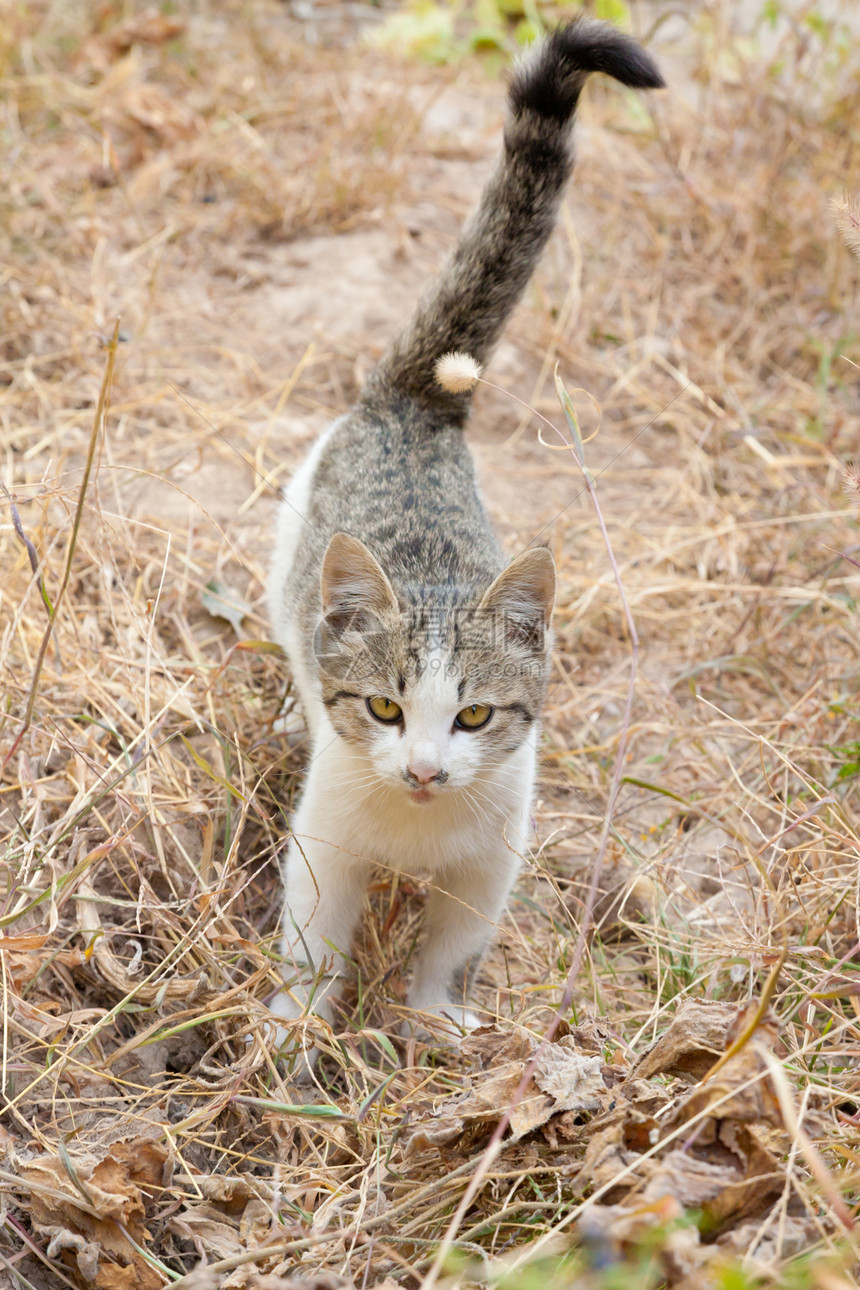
522, 597
352, 579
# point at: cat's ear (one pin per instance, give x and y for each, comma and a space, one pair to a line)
352, 579
523, 595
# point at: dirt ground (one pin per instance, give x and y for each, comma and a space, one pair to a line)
255, 194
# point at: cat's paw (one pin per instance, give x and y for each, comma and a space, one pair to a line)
297, 1061
451, 1023
289, 1045
463, 1018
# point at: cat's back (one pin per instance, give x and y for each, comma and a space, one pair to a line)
406, 486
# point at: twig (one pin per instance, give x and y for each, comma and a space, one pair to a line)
53, 610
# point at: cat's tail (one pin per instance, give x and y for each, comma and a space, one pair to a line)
468, 305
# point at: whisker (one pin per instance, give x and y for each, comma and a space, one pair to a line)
476, 807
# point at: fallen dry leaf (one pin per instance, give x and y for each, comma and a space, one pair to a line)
769, 1242
619, 1139
742, 1090
316, 1281
608, 1230
574, 1082
156, 110
719, 1166
229, 1221
84, 1219
761, 1177
489, 1046
149, 27
689, 1179
694, 1041
563, 1081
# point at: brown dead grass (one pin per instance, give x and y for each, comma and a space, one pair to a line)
161, 169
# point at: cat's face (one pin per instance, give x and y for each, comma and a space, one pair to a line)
435, 696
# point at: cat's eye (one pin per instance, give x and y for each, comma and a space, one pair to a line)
473, 717
384, 710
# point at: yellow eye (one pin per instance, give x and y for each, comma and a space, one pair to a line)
473, 717
384, 710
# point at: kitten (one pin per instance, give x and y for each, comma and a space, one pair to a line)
419, 658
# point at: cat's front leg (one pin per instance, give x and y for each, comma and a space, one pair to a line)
325, 891
463, 909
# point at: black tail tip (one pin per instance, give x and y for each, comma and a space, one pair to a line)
586, 45
550, 80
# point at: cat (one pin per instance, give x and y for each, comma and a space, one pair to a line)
419, 656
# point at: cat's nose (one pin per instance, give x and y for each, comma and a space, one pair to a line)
424, 772
424, 764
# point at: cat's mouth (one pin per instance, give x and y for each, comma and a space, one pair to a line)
421, 794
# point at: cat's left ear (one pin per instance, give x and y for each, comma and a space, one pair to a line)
523, 595
352, 579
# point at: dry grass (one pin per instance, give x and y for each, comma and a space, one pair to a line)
160, 168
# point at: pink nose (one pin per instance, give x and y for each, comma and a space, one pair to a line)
423, 771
